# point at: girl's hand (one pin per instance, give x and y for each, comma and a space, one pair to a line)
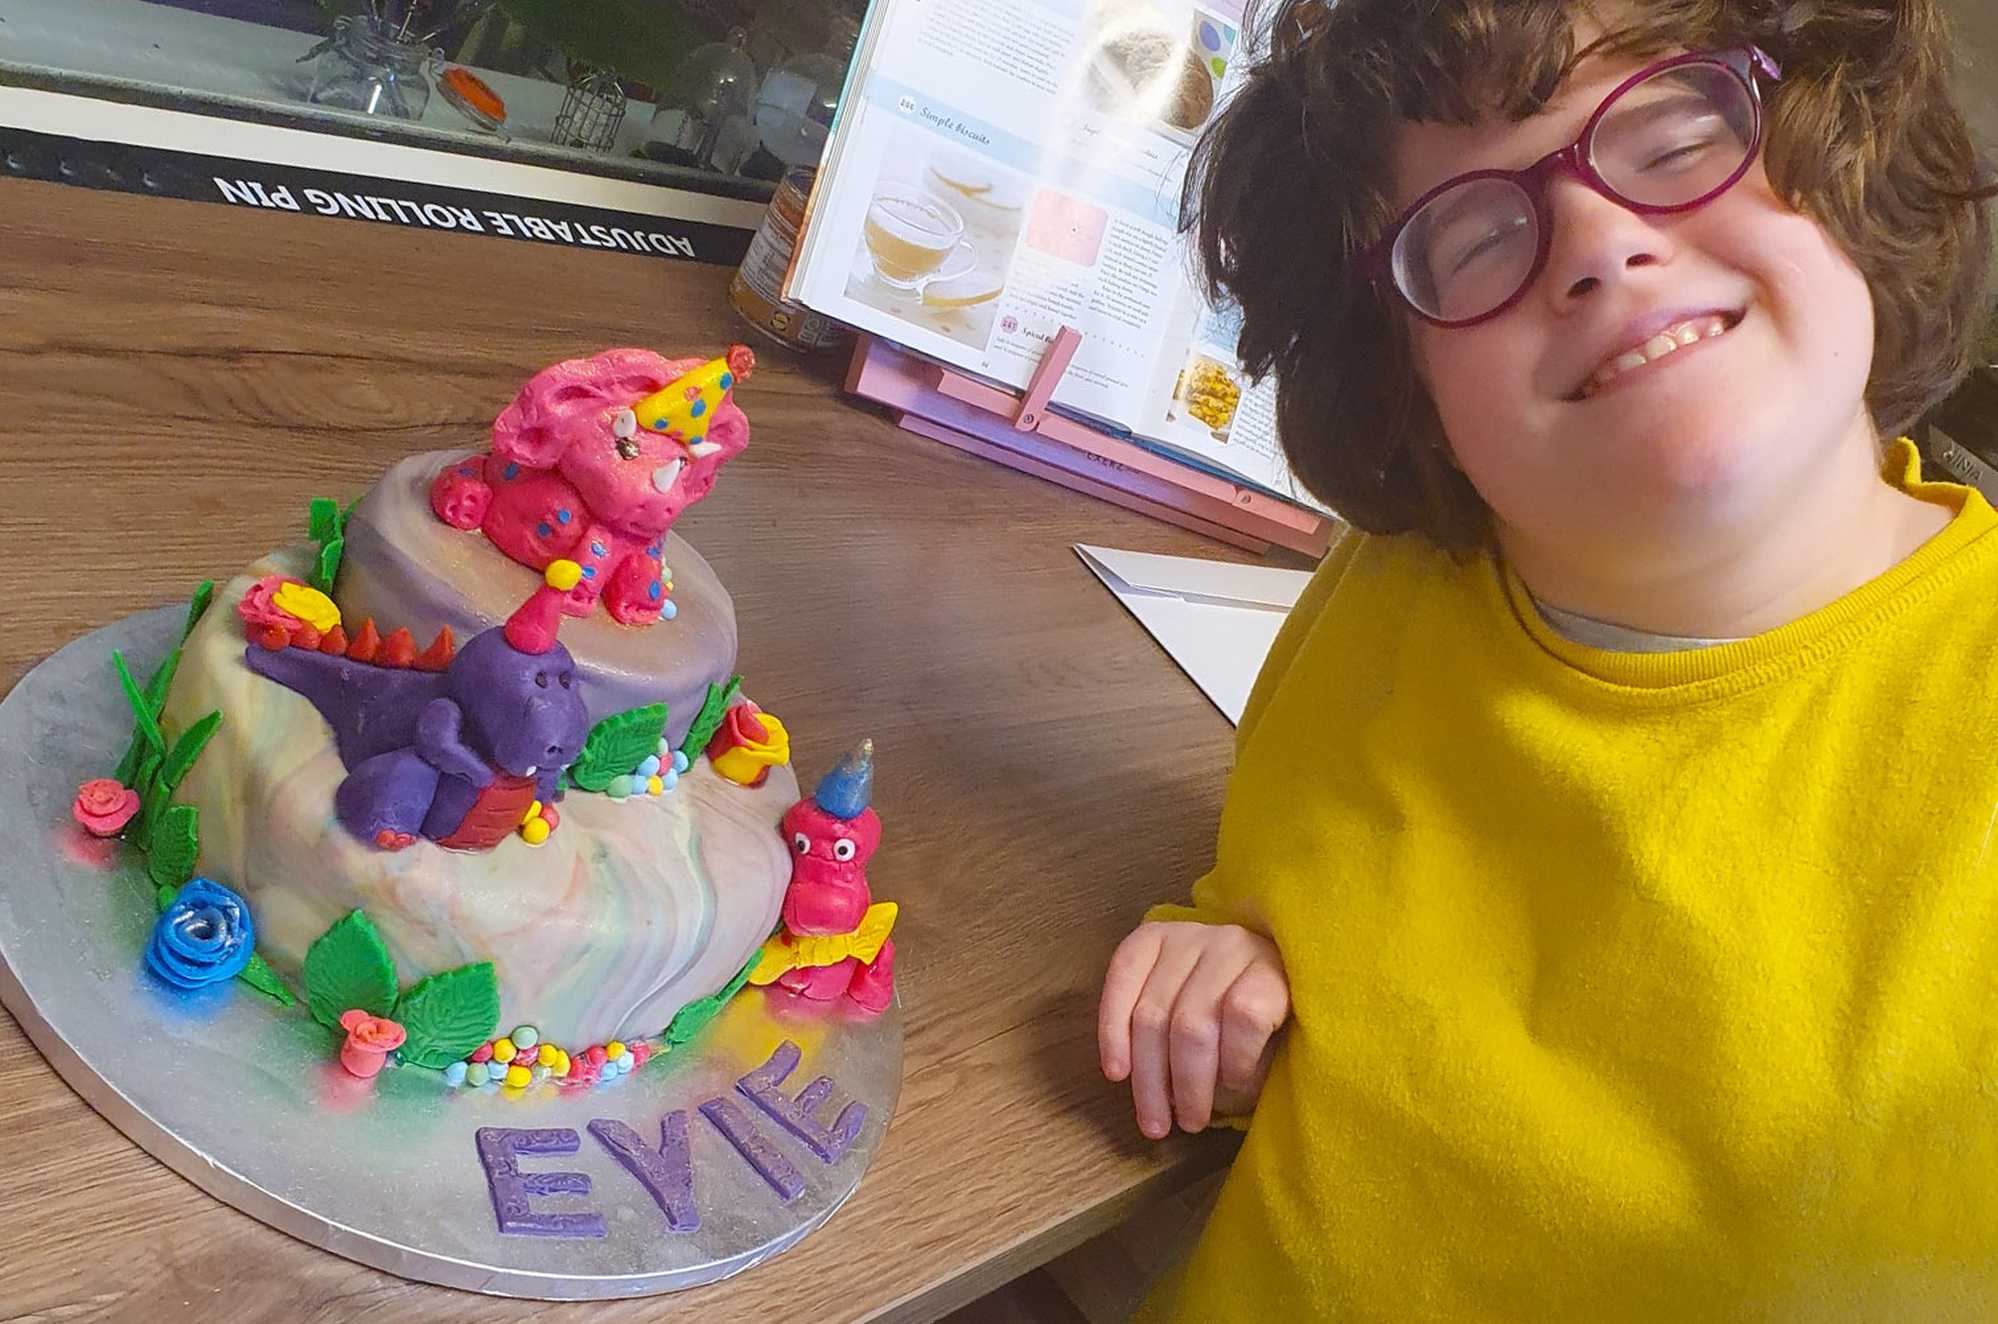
1187, 1015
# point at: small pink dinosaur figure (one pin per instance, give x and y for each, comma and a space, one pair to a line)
592, 463
833, 832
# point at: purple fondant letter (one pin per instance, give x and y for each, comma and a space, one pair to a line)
754, 1146
500, 1148
796, 1115
667, 1173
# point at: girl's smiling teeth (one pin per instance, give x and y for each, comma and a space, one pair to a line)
1669, 341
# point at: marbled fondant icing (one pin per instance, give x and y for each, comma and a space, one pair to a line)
404, 567
631, 910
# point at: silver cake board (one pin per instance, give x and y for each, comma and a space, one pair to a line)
247, 1100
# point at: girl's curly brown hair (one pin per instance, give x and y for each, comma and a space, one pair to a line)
1293, 180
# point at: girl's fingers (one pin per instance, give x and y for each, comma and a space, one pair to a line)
1122, 983
1252, 1009
1151, 1020
1195, 1038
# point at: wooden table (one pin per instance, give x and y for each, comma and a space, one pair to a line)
177, 379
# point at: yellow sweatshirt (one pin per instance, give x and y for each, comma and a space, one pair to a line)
1627, 986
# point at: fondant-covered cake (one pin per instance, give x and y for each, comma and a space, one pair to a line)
476, 756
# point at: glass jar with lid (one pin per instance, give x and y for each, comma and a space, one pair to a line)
366, 67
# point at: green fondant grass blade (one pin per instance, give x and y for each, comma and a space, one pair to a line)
157, 686
140, 830
161, 681
617, 745
175, 846
148, 727
258, 975
187, 749
329, 564
197, 607
691, 1019
448, 1015
322, 523
346, 967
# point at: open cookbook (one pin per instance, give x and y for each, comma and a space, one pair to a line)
1003, 168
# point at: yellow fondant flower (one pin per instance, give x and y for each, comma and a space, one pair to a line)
308, 604
748, 744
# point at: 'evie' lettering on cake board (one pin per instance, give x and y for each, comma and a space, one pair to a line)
667, 1173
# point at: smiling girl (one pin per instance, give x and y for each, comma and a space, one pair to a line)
1604, 923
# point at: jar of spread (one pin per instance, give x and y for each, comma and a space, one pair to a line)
757, 288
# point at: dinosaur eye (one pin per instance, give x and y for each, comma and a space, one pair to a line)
564, 679
624, 424
843, 849
801, 843
541, 679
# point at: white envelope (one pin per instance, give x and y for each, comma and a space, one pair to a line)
1215, 619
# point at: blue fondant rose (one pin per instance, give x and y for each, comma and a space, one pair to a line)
203, 937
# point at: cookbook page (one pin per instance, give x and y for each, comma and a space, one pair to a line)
1004, 167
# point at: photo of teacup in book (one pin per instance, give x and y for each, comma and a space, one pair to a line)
937, 237
913, 239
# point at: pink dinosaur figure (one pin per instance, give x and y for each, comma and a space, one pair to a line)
833, 832
592, 463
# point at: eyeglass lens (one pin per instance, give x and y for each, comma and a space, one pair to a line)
1672, 140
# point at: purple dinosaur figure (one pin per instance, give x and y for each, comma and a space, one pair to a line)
457, 756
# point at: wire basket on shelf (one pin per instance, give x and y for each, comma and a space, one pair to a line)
592, 110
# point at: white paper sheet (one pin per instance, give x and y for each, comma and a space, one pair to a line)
1215, 619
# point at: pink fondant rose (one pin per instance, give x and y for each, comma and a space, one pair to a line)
104, 806
259, 609
370, 1039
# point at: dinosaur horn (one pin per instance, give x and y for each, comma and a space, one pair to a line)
845, 791
531, 628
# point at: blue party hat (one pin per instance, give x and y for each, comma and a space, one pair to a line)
845, 791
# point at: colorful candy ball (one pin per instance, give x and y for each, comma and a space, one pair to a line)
454, 1075
519, 1077
503, 1050
680, 761
525, 1036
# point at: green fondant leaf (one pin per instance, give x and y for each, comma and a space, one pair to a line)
322, 519
197, 607
709, 719
175, 846
187, 749
617, 745
348, 967
148, 727
691, 1019
329, 565
448, 1015
163, 896
259, 975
